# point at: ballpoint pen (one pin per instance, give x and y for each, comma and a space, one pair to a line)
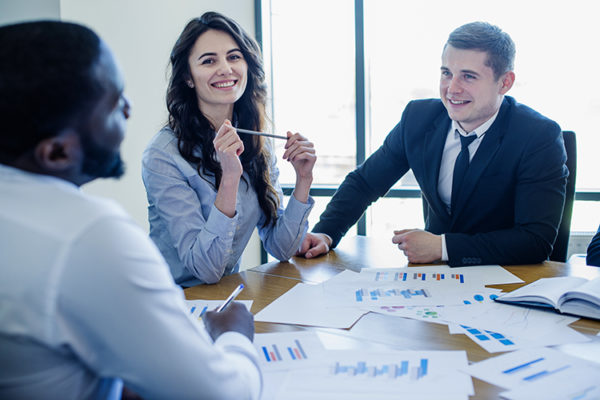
232, 296
260, 133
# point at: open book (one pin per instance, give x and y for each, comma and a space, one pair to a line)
568, 294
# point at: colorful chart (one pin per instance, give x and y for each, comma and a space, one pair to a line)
376, 294
295, 352
383, 276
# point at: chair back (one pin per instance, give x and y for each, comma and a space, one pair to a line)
561, 245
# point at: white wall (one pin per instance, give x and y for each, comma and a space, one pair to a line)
141, 34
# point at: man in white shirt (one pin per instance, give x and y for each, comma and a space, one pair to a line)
87, 303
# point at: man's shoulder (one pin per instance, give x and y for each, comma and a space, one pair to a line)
423, 114
525, 116
433, 106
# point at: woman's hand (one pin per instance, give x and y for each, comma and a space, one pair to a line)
301, 153
228, 147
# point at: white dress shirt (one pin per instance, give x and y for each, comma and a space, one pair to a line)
451, 151
86, 300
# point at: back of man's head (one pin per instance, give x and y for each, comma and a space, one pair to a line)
47, 82
483, 36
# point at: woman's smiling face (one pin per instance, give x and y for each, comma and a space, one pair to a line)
219, 72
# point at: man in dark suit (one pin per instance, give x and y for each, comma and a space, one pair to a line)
593, 250
492, 171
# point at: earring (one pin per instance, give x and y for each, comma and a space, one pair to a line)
190, 84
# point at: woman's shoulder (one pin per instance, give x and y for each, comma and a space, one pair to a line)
164, 140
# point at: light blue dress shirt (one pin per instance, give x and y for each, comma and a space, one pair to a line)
199, 242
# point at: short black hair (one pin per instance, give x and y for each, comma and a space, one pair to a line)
483, 36
47, 82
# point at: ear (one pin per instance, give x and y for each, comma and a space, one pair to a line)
507, 82
59, 153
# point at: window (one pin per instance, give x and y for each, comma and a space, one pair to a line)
311, 50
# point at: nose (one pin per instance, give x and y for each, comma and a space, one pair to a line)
225, 68
454, 86
126, 107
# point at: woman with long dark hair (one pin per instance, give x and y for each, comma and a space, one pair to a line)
207, 186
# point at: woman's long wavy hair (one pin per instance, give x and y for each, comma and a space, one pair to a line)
194, 131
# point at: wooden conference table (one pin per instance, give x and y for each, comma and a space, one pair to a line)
267, 282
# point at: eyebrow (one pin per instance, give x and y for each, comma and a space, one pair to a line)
214, 54
464, 71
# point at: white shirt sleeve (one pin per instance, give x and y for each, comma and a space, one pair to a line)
122, 314
444, 249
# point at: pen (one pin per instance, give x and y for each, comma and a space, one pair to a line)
232, 296
260, 133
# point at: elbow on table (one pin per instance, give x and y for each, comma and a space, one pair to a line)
206, 272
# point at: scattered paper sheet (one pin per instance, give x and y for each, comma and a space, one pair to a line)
541, 373
307, 305
403, 374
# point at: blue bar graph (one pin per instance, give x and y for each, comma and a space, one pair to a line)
391, 371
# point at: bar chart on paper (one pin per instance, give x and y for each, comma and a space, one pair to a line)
380, 293
402, 369
542, 373
536, 369
385, 276
368, 374
283, 350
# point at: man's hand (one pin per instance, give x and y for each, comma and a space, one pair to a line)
234, 318
419, 246
314, 244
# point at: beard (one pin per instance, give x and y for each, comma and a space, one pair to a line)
99, 162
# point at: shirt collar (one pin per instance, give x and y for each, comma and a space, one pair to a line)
480, 130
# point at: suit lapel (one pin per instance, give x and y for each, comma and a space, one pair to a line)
435, 139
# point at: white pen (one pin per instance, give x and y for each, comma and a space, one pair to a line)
260, 133
232, 296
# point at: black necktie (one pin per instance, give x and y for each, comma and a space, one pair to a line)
460, 167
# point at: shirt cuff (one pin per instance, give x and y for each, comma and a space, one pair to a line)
242, 350
297, 211
444, 249
220, 224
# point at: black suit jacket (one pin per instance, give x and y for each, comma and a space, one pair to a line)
593, 250
511, 199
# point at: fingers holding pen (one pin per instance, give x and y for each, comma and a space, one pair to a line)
298, 147
227, 140
228, 147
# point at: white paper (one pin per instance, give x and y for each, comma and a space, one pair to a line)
543, 372
404, 374
307, 305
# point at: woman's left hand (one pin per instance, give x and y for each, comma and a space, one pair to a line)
301, 153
